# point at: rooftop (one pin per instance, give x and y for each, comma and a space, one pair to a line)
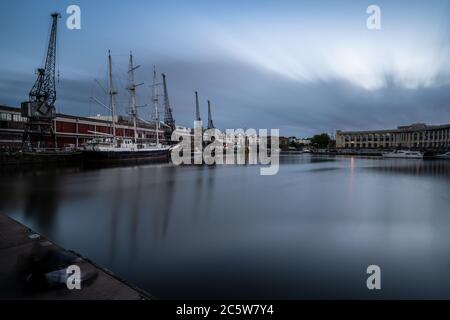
415, 127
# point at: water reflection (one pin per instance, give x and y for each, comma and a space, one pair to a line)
162, 209
42, 203
436, 168
227, 232
116, 201
135, 212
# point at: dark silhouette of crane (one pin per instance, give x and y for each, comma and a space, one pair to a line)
40, 108
168, 118
197, 108
210, 121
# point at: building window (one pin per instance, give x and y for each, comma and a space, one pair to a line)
5, 116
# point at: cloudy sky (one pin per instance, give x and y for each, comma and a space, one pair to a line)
301, 66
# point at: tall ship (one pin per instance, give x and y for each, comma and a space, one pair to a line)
114, 148
443, 156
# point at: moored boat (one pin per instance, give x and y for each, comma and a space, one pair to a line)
405, 154
443, 156
124, 149
50, 155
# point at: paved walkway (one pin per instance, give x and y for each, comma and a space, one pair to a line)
17, 242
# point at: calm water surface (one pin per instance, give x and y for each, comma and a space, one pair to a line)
227, 232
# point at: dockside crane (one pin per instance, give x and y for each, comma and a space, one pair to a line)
168, 118
40, 108
210, 120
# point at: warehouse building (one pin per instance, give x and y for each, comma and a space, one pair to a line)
71, 130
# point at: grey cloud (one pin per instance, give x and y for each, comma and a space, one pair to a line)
243, 97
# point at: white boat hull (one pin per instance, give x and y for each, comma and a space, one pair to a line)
442, 156
403, 155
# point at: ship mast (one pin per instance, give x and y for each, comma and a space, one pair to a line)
155, 103
112, 93
132, 89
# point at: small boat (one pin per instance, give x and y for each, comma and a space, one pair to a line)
403, 154
443, 156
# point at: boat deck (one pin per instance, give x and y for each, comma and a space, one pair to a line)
17, 241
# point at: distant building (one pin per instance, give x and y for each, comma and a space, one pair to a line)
283, 143
304, 142
415, 136
299, 141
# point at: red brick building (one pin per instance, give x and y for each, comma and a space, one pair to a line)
70, 130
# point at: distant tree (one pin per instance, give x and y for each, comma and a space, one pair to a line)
321, 140
294, 144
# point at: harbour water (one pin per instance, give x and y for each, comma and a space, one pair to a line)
227, 232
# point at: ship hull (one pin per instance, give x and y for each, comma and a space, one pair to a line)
442, 156
393, 156
126, 156
47, 157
